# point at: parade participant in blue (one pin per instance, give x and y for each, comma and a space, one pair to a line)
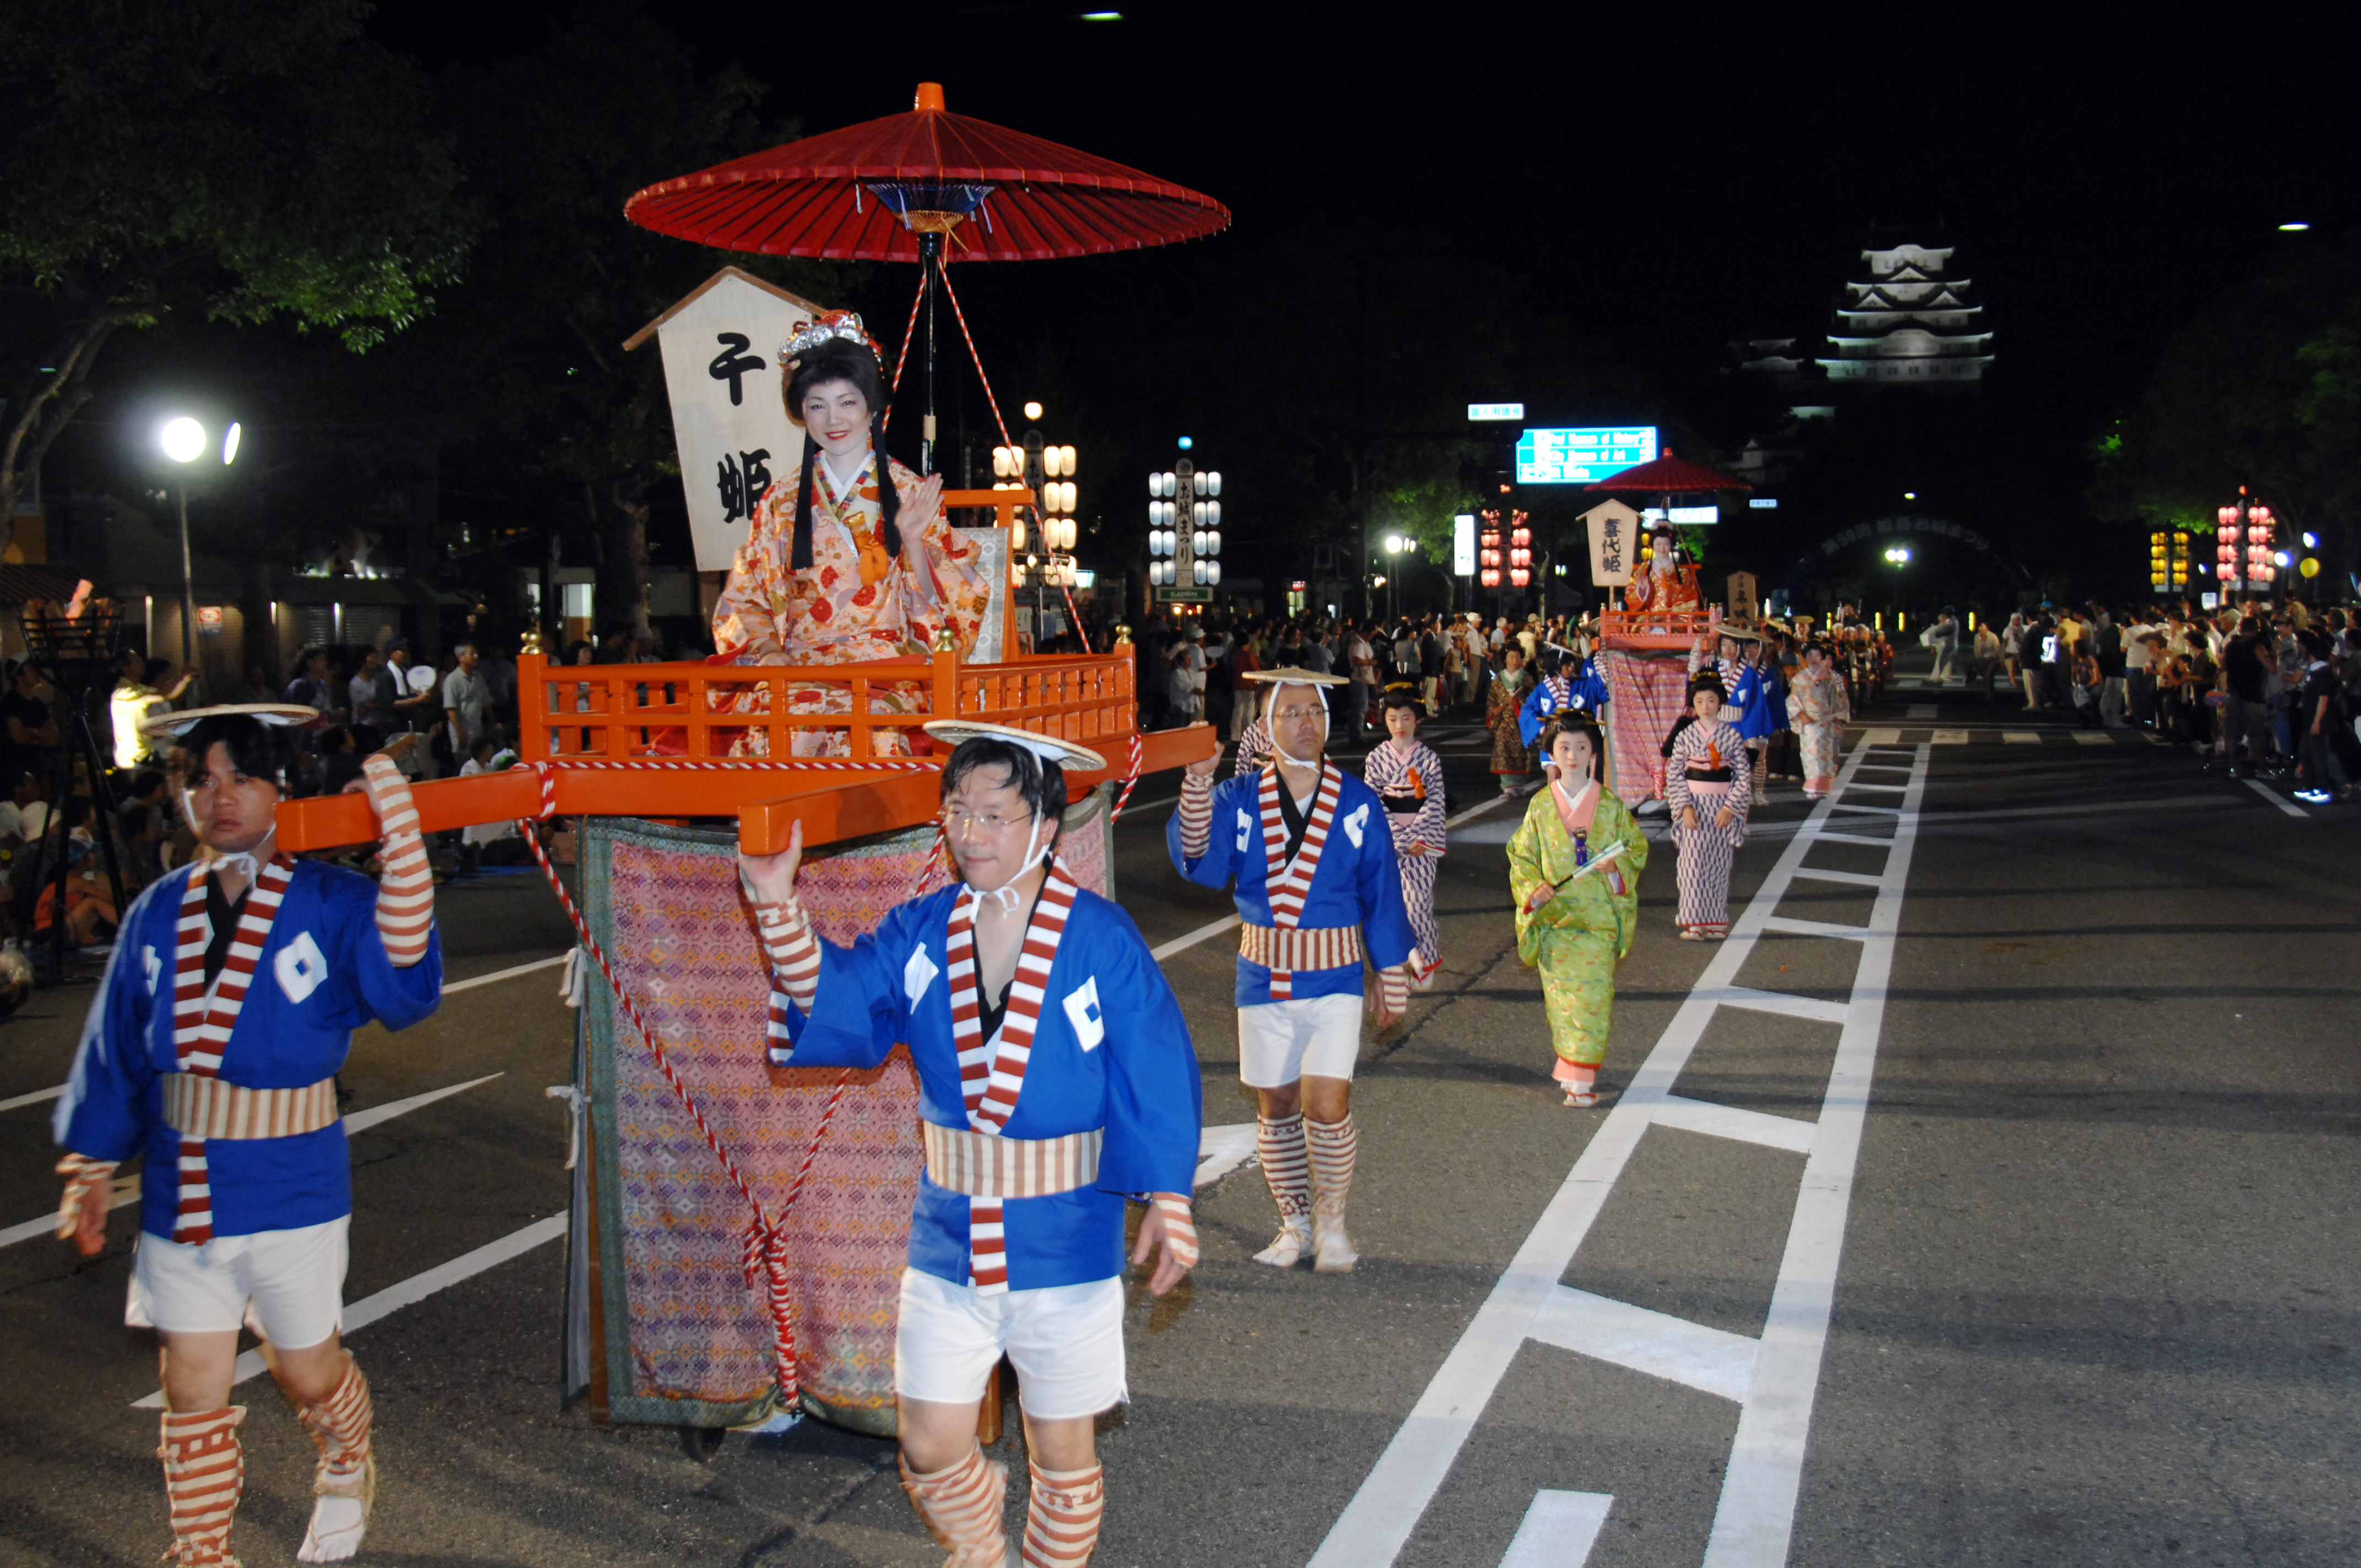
1056, 1080
1314, 867
212, 1047
1756, 707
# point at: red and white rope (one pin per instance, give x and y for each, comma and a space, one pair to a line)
547, 768
909, 330
1131, 780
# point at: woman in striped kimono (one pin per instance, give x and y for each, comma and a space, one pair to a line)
1708, 784
1408, 777
1573, 866
1818, 709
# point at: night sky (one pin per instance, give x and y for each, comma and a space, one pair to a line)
1664, 178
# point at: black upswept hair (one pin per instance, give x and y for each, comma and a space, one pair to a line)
1708, 683
839, 360
1040, 784
1573, 721
259, 750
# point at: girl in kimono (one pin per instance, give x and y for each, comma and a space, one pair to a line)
1573, 867
1408, 777
1706, 782
1818, 709
1512, 759
856, 561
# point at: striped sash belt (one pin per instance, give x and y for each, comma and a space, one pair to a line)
199, 1107
1288, 947
980, 1166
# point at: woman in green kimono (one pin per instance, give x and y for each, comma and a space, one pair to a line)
1573, 866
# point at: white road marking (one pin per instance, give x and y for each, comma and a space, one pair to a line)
1853, 838
1792, 926
1736, 1125
1881, 736
1559, 1530
1951, 737
1713, 1361
1755, 1519
1858, 879
1221, 1150
126, 1189
1921, 710
1816, 1009
2282, 802
410, 1291
2093, 737
1182, 944
35, 1098
454, 987
2021, 736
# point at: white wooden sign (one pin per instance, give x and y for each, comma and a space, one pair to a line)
730, 421
1614, 542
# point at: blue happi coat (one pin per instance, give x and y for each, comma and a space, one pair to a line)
1110, 1050
1358, 882
322, 974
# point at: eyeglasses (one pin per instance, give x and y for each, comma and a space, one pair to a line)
957, 820
1288, 715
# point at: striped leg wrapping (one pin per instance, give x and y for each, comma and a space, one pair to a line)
1061, 1525
405, 891
1332, 1145
340, 1426
961, 1507
1279, 1147
204, 1472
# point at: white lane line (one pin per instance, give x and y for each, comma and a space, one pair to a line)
1951, 737
1856, 879
1479, 809
1816, 1009
1674, 1349
1378, 1522
1870, 810
1755, 1523
410, 1291
1738, 1126
1853, 838
1182, 944
454, 987
1559, 1530
1221, 1150
1860, 783
2282, 802
2093, 738
126, 1189
2022, 737
1881, 736
1792, 926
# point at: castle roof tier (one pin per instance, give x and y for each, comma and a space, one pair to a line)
1911, 322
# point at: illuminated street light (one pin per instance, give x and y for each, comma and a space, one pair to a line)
1899, 555
1393, 543
184, 440
2294, 228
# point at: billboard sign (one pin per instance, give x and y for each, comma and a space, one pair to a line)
1462, 545
1695, 514
1496, 410
1585, 456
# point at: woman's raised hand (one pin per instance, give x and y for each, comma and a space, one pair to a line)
927, 499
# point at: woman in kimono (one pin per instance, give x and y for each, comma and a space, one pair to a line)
855, 562
1408, 777
1511, 758
1573, 867
1818, 709
1706, 782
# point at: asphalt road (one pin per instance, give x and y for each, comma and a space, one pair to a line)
2066, 1118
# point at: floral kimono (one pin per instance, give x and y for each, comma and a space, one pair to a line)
1511, 758
1577, 934
1411, 785
1817, 707
856, 604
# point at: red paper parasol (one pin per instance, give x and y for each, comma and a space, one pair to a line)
1668, 475
877, 192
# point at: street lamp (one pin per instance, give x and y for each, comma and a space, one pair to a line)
1899, 555
184, 440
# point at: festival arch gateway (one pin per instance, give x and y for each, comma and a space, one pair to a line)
738, 1231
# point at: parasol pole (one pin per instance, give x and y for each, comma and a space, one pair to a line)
930, 261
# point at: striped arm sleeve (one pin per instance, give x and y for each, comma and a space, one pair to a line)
793, 953
405, 891
1179, 1229
1196, 814
1394, 990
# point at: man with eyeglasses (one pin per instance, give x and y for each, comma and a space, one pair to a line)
1317, 889
1056, 1080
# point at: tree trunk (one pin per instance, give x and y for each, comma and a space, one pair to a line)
623, 562
44, 405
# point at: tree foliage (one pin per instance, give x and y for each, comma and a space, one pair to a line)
243, 160
2263, 390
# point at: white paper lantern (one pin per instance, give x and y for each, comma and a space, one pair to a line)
1212, 514
1214, 483
1214, 572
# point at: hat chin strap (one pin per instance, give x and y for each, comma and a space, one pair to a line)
1282, 752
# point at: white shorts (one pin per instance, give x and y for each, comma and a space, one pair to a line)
288, 1285
1280, 1042
1065, 1340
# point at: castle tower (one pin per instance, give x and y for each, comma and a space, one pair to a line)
1910, 322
